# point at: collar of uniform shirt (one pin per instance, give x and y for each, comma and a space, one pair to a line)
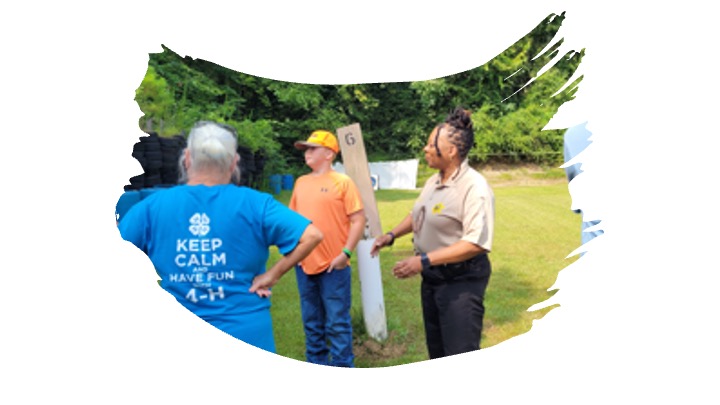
453, 179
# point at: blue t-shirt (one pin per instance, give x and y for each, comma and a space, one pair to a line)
207, 243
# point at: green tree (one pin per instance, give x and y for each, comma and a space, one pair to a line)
512, 98
155, 99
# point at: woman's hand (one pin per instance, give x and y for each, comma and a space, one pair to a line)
379, 243
404, 227
408, 267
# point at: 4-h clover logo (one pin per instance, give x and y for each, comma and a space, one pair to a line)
199, 224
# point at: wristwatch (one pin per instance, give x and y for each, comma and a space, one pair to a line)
425, 261
392, 238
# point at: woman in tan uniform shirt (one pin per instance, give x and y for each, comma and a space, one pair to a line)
452, 226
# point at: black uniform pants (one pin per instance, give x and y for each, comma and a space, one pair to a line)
452, 301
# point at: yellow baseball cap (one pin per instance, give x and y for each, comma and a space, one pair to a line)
319, 138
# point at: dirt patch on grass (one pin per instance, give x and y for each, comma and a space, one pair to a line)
505, 175
372, 350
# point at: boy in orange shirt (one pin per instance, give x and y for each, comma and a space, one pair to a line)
332, 202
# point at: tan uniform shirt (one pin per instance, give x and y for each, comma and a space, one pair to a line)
461, 209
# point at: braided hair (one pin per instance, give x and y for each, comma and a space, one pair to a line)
459, 131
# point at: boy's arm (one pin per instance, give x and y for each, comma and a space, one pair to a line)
357, 227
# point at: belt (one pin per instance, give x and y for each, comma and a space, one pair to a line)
474, 268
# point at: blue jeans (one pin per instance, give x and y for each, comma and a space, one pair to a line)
325, 301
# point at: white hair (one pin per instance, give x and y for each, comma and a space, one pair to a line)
211, 146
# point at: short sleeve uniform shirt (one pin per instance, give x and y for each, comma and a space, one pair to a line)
461, 209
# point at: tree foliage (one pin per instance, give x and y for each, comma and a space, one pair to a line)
512, 98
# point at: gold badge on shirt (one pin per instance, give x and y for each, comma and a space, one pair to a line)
437, 209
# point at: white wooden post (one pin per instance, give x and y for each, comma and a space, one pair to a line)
356, 166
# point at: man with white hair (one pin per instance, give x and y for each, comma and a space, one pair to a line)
209, 239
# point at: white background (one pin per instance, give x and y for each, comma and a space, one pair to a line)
392, 175
84, 321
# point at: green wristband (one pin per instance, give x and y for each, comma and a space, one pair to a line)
347, 252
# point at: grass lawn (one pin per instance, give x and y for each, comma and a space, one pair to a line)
534, 232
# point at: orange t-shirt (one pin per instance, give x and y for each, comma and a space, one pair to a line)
327, 200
